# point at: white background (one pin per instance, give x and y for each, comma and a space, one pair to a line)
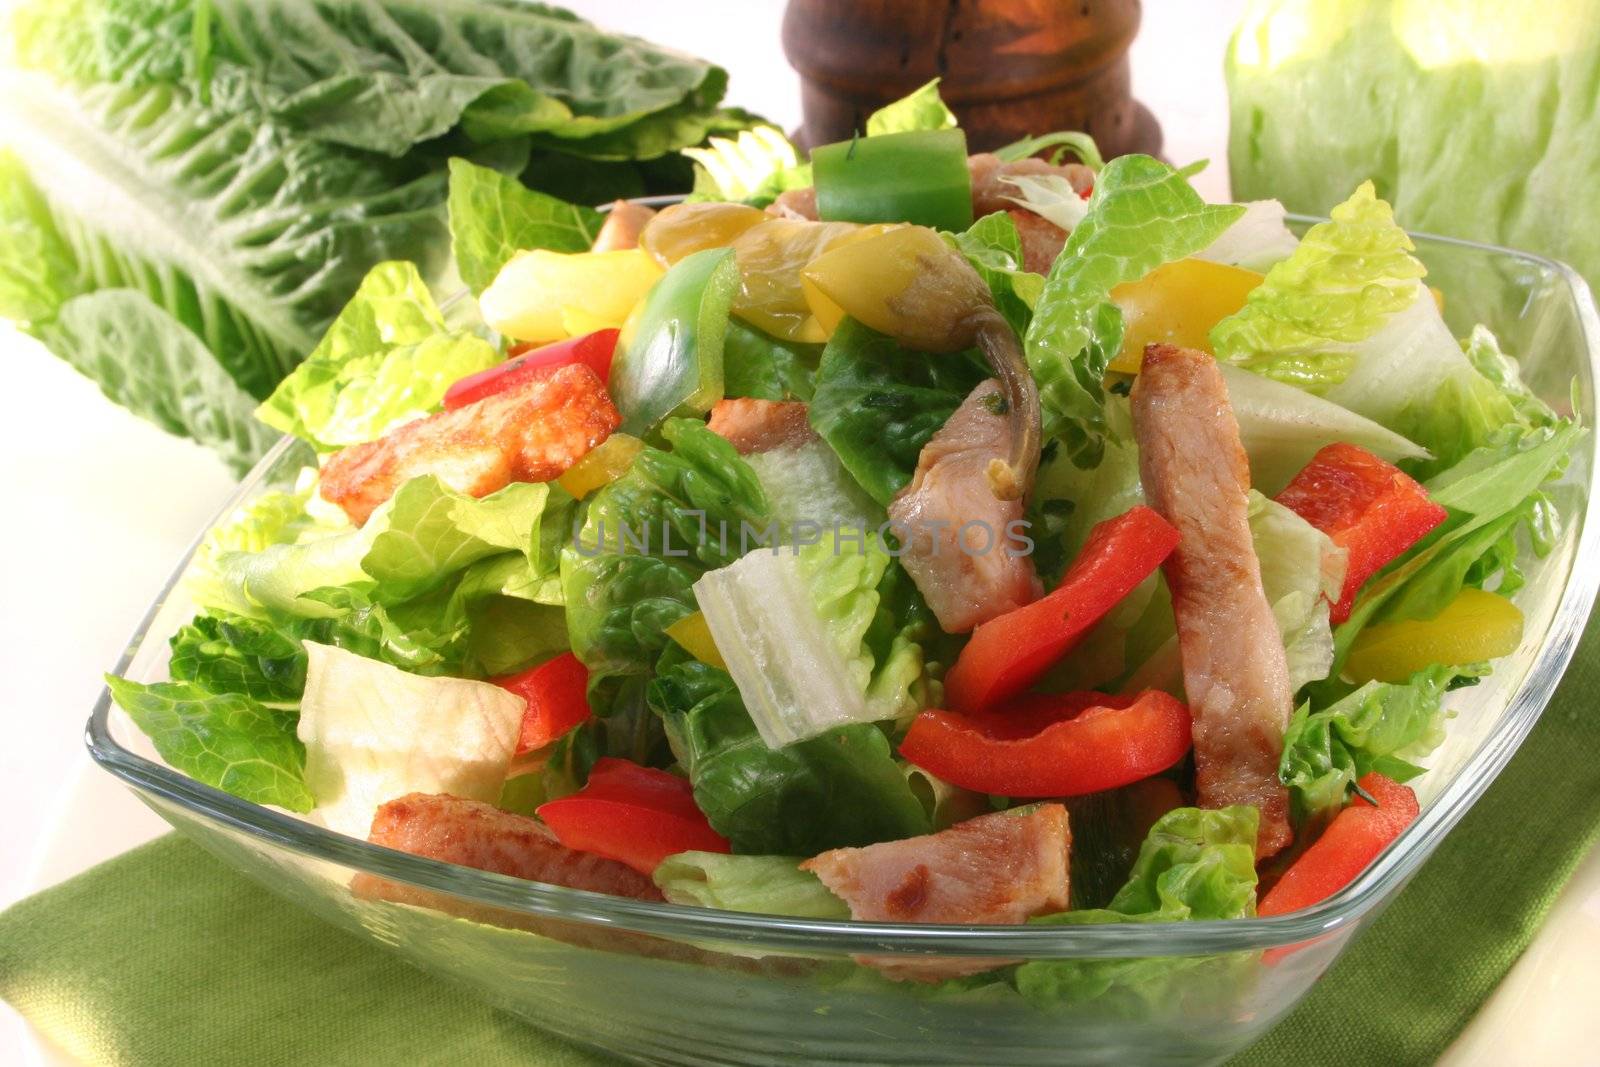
99, 506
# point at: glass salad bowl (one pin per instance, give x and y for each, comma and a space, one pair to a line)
672, 984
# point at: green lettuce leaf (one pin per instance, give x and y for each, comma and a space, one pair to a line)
385, 77
840, 789
753, 167
225, 740
1380, 726
766, 885
1195, 864
1302, 572
493, 217
757, 365
792, 627
1063, 141
994, 248
920, 109
699, 498
387, 359
877, 403
146, 360
1142, 214
1343, 282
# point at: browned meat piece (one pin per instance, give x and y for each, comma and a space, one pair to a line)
955, 532
1196, 475
1003, 868
529, 433
1042, 240
991, 194
752, 425
622, 227
473, 834
800, 204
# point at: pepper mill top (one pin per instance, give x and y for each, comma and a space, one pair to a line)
1009, 68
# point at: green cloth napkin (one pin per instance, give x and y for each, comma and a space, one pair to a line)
164, 956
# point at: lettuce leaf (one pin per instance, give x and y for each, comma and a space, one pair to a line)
920, 109
757, 365
792, 625
385, 77
1347, 277
877, 403
1195, 864
700, 498
373, 732
840, 789
766, 885
387, 359
753, 167
494, 216
1378, 727
1302, 572
1142, 214
1258, 241
226, 740
994, 248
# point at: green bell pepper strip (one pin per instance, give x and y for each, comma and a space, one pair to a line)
669, 354
919, 177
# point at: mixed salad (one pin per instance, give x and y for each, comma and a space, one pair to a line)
902, 535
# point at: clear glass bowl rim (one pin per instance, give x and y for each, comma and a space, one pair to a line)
1382, 877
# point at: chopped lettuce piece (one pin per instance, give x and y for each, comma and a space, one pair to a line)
1258, 241
877, 403
645, 539
388, 358
811, 492
994, 248
1195, 864
1063, 141
1142, 214
766, 885
1345, 280
1050, 196
1378, 727
841, 789
792, 625
758, 365
1282, 427
226, 740
920, 109
753, 167
372, 732
494, 216
1302, 572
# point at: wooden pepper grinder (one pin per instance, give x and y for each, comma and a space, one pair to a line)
1009, 68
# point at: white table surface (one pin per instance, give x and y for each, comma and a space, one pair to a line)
100, 505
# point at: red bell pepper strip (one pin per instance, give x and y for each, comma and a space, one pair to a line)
1353, 840
1047, 745
557, 696
1367, 506
528, 361
1008, 654
635, 815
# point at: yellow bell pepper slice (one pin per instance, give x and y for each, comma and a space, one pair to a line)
1474, 627
537, 294
1177, 303
694, 635
605, 463
681, 230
